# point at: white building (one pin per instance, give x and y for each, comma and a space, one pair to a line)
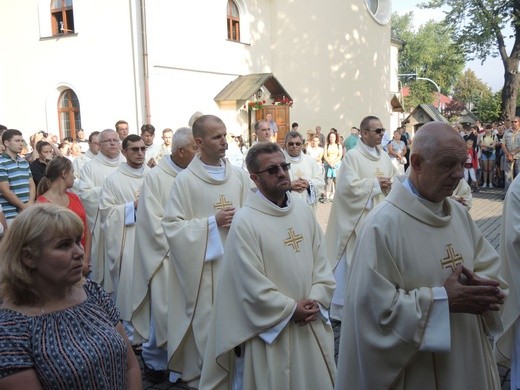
70, 63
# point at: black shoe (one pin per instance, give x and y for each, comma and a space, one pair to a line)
155, 376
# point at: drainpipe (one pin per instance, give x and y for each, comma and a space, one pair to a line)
144, 44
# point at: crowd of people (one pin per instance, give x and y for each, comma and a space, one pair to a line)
204, 256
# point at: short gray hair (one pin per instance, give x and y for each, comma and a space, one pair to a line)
292, 134
181, 138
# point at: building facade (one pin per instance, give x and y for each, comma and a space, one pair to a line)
68, 64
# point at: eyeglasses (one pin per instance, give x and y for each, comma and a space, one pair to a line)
112, 141
275, 168
294, 143
136, 149
378, 131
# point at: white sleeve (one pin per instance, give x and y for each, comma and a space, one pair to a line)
437, 336
215, 248
129, 214
272, 333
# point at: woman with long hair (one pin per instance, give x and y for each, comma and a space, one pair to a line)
333, 152
54, 188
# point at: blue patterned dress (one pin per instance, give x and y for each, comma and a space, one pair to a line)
75, 348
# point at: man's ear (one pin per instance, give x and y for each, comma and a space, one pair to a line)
415, 162
27, 259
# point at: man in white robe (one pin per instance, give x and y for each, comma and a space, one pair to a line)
424, 288
93, 149
364, 179
92, 177
199, 211
508, 344
117, 214
151, 262
306, 176
269, 327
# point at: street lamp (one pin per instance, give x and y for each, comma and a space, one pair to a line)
427, 79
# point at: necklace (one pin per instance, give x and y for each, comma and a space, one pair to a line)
70, 294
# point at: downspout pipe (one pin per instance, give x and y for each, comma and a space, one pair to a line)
146, 75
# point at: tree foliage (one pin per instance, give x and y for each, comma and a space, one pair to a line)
428, 52
479, 27
468, 87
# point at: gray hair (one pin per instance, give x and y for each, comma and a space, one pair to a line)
292, 134
426, 140
181, 138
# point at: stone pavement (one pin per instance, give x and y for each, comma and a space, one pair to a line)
486, 211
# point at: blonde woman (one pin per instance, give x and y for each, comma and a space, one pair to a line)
63, 331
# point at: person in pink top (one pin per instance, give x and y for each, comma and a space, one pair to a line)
54, 188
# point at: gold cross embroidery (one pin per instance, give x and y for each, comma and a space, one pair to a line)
222, 204
299, 174
293, 240
379, 173
452, 260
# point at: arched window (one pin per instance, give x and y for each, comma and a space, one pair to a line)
62, 17
233, 21
69, 116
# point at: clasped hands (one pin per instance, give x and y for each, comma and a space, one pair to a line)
469, 293
306, 311
299, 185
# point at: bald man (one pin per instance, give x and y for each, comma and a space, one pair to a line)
424, 287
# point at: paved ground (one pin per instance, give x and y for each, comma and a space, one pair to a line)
486, 211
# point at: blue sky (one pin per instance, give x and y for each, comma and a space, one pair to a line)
491, 72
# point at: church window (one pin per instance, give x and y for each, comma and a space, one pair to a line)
62, 17
233, 21
69, 117
380, 10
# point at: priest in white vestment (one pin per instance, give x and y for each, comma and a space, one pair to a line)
92, 177
117, 214
508, 344
306, 176
151, 260
197, 216
364, 179
93, 149
269, 327
424, 288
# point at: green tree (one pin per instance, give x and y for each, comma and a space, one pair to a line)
479, 28
468, 87
429, 52
488, 107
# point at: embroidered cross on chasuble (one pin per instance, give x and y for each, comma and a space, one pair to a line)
379, 173
452, 259
299, 174
293, 240
222, 203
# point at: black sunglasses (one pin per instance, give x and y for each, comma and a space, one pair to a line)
274, 169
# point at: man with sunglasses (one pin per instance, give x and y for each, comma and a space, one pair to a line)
364, 180
117, 215
269, 328
201, 206
306, 176
91, 178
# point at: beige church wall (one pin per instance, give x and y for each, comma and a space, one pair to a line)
197, 65
96, 62
334, 60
